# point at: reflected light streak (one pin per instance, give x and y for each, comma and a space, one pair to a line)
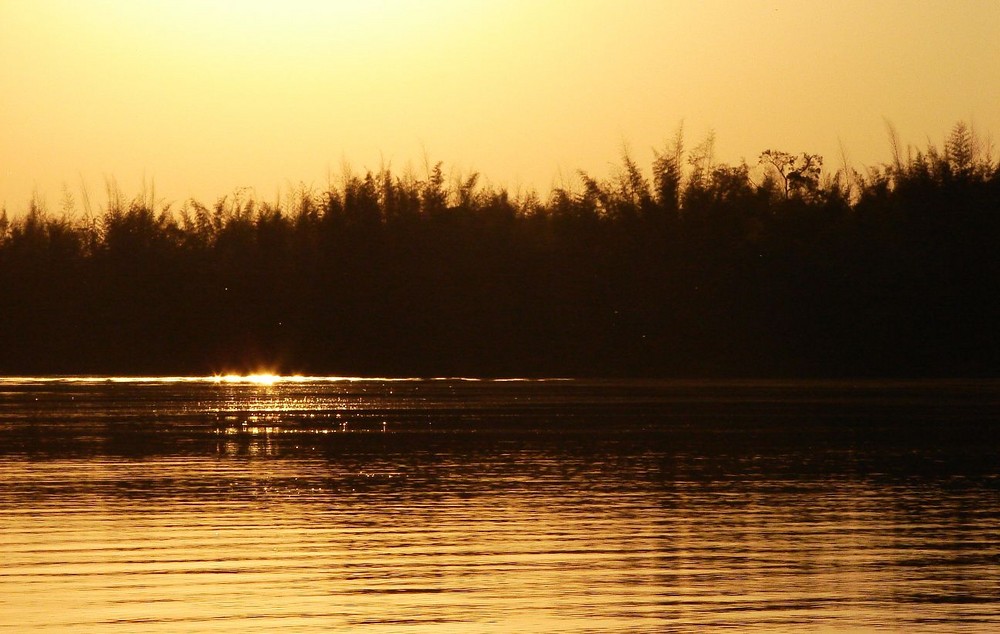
256, 379
262, 378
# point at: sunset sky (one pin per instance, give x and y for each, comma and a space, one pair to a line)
204, 97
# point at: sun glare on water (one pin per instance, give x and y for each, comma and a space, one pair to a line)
256, 379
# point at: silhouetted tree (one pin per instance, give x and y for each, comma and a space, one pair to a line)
794, 175
692, 268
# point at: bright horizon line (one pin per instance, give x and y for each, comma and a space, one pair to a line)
255, 379
266, 380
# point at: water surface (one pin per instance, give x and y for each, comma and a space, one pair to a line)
168, 505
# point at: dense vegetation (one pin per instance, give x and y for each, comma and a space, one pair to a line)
699, 268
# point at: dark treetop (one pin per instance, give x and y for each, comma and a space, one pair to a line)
701, 269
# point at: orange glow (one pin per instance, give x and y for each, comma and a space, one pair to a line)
207, 97
262, 378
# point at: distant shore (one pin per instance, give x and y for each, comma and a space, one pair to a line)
692, 269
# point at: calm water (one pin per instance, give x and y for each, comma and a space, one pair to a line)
458, 506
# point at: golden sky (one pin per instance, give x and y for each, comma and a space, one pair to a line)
202, 97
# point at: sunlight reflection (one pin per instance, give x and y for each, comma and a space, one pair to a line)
257, 379
262, 378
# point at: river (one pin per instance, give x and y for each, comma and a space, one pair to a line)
327, 504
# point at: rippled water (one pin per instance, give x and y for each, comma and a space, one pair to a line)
316, 505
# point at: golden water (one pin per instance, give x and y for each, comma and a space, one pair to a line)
455, 506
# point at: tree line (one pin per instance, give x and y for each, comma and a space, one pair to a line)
692, 268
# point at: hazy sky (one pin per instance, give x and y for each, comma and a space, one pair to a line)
205, 97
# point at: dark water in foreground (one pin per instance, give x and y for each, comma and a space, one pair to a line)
563, 506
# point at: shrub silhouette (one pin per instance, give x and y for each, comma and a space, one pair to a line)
699, 268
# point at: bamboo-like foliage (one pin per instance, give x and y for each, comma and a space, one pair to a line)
696, 268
